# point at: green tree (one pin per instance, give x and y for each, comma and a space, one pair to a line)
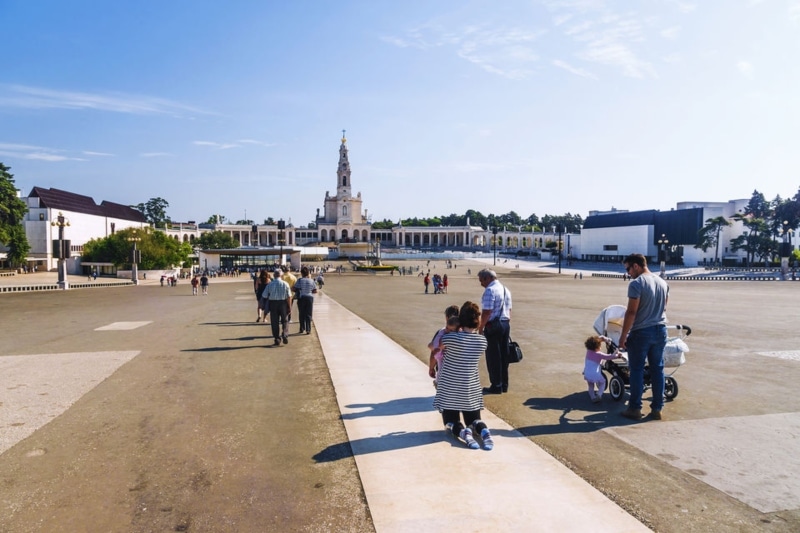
155, 211
383, 224
12, 213
18, 246
247, 222
158, 250
215, 240
216, 219
709, 234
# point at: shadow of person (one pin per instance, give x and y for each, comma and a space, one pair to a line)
397, 440
399, 406
577, 415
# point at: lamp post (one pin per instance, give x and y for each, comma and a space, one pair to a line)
494, 243
281, 227
662, 253
63, 250
558, 246
135, 257
786, 249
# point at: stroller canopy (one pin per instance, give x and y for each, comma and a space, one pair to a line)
609, 322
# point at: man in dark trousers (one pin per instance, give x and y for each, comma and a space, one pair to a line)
496, 327
644, 334
280, 300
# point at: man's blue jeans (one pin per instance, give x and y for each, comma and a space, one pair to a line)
647, 344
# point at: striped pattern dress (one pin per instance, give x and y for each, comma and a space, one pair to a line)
459, 384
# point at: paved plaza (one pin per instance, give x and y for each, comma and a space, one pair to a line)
145, 408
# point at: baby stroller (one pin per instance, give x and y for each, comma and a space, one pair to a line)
609, 324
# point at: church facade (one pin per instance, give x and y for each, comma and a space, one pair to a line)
342, 219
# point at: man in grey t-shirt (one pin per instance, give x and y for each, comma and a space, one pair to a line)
644, 334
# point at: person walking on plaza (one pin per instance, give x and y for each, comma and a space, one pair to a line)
427, 281
291, 279
305, 288
280, 298
195, 282
496, 327
458, 391
259, 284
644, 334
204, 284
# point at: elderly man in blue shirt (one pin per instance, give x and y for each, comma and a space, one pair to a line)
496, 327
280, 300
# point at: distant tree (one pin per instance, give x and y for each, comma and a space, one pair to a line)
216, 219
269, 221
158, 250
247, 222
383, 224
155, 211
758, 206
709, 234
215, 240
12, 213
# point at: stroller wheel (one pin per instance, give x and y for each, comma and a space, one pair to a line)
616, 387
670, 388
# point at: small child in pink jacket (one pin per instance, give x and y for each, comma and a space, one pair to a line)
591, 367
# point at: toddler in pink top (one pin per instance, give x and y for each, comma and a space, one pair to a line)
435, 346
591, 367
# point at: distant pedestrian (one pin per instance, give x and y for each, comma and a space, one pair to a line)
305, 288
259, 284
204, 284
195, 283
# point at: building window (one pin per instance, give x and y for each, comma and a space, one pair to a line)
609, 247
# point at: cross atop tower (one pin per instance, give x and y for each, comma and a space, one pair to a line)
344, 139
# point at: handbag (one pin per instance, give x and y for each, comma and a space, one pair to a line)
514, 351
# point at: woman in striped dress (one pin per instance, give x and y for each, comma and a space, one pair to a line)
459, 386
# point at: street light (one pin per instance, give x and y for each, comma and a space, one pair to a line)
135, 257
281, 227
786, 249
494, 243
662, 253
558, 247
63, 250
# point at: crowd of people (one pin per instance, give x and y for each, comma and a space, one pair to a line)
275, 295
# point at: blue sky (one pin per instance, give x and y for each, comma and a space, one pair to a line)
544, 107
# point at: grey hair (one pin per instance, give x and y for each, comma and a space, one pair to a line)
487, 273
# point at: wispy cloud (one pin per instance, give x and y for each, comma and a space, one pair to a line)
155, 154
26, 97
97, 154
574, 70
671, 33
35, 153
794, 11
235, 144
216, 145
507, 52
745, 68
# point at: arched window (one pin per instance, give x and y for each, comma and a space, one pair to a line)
344, 234
344, 210
344, 181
